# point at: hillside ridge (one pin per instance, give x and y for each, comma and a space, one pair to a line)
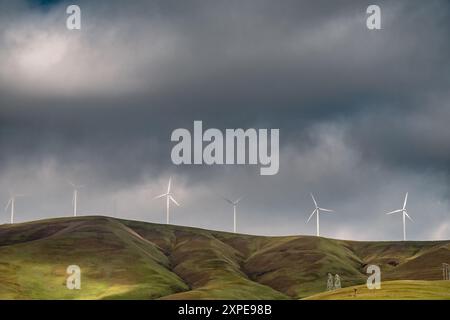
125, 259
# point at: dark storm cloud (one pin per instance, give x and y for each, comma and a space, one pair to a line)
353, 105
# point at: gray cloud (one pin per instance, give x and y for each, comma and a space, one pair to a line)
362, 114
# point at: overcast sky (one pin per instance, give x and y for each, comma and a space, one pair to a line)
363, 115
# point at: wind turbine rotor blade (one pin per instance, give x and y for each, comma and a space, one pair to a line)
174, 201
315, 202
160, 196
238, 200
7, 205
406, 214
395, 211
228, 200
170, 183
326, 210
312, 214
406, 200
76, 187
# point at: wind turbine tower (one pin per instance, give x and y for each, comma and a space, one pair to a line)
404, 215
316, 212
234, 204
75, 197
12, 205
169, 197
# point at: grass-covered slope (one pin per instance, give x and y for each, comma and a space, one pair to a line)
391, 290
115, 261
122, 259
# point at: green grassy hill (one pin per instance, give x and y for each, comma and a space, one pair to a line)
391, 290
123, 259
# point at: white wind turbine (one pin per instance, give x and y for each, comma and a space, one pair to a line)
12, 204
404, 214
317, 211
75, 196
234, 204
169, 197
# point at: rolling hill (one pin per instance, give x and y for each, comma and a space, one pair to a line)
392, 290
122, 259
